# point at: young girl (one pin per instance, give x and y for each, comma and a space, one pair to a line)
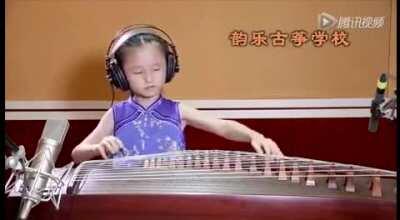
141, 61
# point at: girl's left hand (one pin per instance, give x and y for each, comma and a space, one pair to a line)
265, 145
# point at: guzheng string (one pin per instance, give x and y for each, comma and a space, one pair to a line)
227, 175
274, 162
177, 167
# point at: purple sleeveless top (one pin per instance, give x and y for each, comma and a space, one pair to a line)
156, 129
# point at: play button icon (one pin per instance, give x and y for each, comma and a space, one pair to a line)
326, 21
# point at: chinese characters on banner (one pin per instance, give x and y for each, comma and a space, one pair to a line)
297, 38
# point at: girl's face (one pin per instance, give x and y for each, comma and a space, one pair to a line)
145, 69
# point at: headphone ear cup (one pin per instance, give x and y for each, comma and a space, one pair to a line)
171, 64
121, 78
117, 76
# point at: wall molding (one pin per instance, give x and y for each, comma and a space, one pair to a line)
234, 109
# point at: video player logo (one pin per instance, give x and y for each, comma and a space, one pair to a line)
326, 21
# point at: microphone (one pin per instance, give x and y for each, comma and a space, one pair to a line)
37, 175
376, 102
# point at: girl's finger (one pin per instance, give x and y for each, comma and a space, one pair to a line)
111, 145
257, 147
102, 152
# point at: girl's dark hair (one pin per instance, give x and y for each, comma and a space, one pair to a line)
139, 40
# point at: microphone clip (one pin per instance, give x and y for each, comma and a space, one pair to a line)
388, 109
17, 160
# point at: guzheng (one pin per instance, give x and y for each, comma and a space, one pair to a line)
228, 183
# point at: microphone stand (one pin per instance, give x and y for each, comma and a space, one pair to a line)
388, 109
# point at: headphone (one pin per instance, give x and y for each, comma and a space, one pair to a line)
114, 71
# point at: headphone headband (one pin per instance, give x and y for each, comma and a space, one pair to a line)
132, 30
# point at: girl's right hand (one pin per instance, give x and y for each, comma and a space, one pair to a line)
109, 145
